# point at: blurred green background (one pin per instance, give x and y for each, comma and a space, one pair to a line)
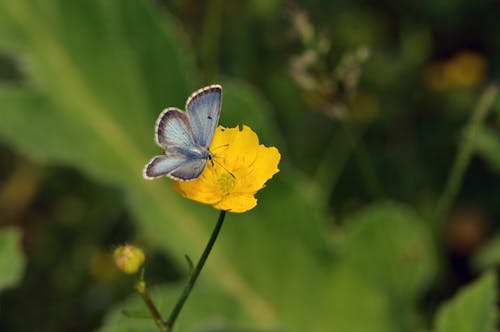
384, 217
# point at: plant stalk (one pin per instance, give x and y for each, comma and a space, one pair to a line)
463, 157
142, 290
195, 273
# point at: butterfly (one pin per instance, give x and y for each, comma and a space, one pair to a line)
186, 136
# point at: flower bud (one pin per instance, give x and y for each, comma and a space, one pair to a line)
128, 258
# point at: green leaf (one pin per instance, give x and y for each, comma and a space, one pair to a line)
388, 247
44, 132
488, 255
11, 257
390, 244
190, 264
473, 309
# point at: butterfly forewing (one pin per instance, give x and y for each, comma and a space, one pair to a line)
203, 108
173, 128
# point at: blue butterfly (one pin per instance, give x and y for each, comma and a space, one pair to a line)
186, 136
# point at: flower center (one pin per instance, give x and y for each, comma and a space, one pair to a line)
226, 182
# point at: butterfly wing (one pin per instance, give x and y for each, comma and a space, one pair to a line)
186, 136
177, 167
203, 109
173, 128
189, 170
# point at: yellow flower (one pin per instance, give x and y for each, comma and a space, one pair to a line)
241, 166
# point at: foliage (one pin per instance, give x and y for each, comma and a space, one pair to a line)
471, 310
325, 249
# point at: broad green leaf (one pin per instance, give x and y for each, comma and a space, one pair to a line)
42, 131
350, 297
389, 244
388, 247
473, 309
11, 257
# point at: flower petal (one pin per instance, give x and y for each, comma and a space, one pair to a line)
222, 139
237, 203
243, 148
265, 166
197, 191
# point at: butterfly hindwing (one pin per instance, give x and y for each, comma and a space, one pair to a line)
177, 167
173, 128
203, 109
189, 170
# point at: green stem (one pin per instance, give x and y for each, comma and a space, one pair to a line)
194, 275
142, 290
463, 157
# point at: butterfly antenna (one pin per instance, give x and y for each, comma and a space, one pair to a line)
218, 163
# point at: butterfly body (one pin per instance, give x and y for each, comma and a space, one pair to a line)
190, 152
186, 136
